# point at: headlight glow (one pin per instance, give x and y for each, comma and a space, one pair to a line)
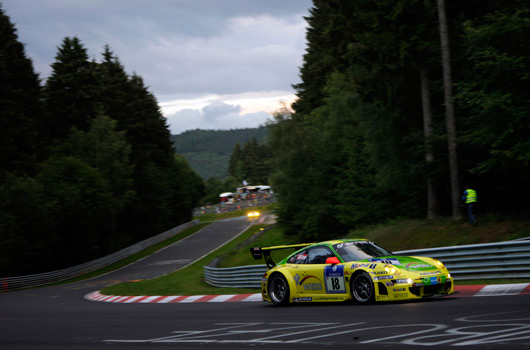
391, 269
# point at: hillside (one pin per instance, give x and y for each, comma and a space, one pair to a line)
208, 151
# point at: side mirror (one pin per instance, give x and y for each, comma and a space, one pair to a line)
333, 261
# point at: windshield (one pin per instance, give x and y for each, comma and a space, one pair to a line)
354, 251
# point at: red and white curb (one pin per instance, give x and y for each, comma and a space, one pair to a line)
463, 291
96, 296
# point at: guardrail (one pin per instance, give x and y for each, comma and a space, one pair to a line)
467, 262
12, 283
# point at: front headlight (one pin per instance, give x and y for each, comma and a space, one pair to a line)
392, 270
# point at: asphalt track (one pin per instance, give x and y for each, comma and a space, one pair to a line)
60, 318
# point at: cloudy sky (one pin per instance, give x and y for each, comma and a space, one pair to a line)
212, 64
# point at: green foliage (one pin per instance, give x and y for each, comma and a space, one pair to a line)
209, 151
104, 175
19, 103
71, 92
353, 151
493, 94
252, 162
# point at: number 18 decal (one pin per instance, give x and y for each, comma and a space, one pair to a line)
334, 277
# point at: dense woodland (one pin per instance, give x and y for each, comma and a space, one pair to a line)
86, 162
370, 138
209, 151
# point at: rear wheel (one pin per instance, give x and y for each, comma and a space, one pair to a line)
279, 290
362, 288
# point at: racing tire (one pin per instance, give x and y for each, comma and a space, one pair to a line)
362, 288
279, 290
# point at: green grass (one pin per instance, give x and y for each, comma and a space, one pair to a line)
396, 235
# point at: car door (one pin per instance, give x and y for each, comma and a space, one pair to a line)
311, 275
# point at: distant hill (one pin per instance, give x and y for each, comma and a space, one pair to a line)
209, 151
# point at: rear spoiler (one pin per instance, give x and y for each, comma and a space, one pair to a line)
265, 252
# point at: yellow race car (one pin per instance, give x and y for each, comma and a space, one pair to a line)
349, 269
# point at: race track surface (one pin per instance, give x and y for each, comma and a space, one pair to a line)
61, 318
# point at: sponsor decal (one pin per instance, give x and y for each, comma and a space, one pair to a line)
401, 295
312, 286
402, 281
389, 284
434, 280
390, 261
334, 279
359, 265
430, 273
308, 277
399, 289
327, 298
297, 279
383, 278
418, 266
302, 299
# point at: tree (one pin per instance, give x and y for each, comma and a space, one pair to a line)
20, 107
449, 111
71, 92
493, 94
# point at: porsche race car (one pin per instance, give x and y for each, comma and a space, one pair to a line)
350, 269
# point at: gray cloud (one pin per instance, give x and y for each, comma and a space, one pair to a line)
181, 48
215, 116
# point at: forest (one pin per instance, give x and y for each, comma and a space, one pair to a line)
209, 151
402, 103
86, 162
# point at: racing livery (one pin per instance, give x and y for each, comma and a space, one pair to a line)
349, 269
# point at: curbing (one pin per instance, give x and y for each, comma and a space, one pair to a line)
463, 291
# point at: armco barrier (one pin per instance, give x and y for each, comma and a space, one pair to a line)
12, 283
467, 262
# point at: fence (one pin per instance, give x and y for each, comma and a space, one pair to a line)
12, 283
468, 262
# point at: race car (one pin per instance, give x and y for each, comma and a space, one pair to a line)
349, 269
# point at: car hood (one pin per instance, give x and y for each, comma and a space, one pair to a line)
406, 262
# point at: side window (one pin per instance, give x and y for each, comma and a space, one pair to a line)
299, 258
318, 255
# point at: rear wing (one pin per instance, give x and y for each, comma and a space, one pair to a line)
265, 252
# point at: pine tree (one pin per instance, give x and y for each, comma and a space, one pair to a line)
71, 92
20, 108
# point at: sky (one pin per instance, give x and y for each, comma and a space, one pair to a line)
211, 64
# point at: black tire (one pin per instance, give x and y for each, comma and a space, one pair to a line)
279, 290
362, 288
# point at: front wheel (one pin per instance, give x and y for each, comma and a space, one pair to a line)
279, 290
362, 288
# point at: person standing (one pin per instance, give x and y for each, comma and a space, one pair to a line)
470, 200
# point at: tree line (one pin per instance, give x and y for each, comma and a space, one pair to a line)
368, 140
209, 151
250, 163
86, 162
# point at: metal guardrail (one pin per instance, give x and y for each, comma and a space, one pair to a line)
467, 262
19, 282
482, 261
235, 277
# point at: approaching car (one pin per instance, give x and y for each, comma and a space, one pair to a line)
350, 269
